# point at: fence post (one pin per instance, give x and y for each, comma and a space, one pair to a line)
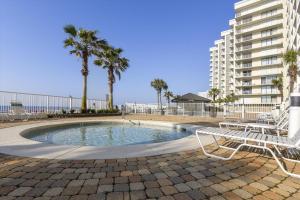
47, 104
224, 111
243, 111
70, 103
183, 109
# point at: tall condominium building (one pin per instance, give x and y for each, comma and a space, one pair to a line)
260, 33
292, 37
222, 64
259, 47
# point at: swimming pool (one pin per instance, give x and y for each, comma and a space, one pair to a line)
105, 134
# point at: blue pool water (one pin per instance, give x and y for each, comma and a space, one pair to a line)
105, 134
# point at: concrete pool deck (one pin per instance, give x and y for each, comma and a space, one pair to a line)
13, 143
187, 175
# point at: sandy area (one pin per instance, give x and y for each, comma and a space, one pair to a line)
180, 119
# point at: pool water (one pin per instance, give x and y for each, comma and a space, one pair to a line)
106, 134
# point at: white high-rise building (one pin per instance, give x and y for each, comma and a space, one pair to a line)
292, 38
259, 47
222, 64
260, 33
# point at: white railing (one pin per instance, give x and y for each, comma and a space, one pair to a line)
242, 111
46, 103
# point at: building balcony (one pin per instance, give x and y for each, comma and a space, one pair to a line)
258, 46
257, 74
244, 48
256, 94
257, 9
270, 24
253, 85
258, 37
252, 66
259, 18
260, 54
244, 57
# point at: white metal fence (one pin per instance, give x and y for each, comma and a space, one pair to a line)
243, 111
46, 103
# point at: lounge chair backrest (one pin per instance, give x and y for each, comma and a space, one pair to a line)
282, 118
264, 117
284, 125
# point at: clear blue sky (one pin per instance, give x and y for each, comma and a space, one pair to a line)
166, 39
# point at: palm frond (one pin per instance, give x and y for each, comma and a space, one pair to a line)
118, 73
69, 42
70, 29
98, 62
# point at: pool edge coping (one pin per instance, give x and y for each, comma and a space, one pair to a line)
13, 143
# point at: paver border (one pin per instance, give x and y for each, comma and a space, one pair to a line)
13, 143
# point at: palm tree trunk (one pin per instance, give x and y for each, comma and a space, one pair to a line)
84, 72
83, 100
110, 86
157, 100
160, 103
291, 85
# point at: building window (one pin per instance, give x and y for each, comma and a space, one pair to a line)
247, 90
267, 42
247, 64
267, 80
247, 73
247, 37
246, 83
268, 99
248, 55
246, 20
267, 32
268, 89
269, 13
269, 60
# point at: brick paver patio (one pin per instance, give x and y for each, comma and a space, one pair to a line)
183, 175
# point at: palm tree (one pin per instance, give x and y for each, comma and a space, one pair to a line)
110, 58
214, 92
159, 85
230, 98
290, 58
279, 84
219, 101
83, 44
168, 94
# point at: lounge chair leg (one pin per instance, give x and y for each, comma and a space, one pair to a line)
215, 156
285, 158
280, 164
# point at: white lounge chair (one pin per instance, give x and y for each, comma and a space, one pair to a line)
4, 117
281, 124
261, 141
266, 118
17, 111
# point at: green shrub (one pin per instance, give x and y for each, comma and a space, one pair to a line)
93, 111
72, 111
107, 111
63, 111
